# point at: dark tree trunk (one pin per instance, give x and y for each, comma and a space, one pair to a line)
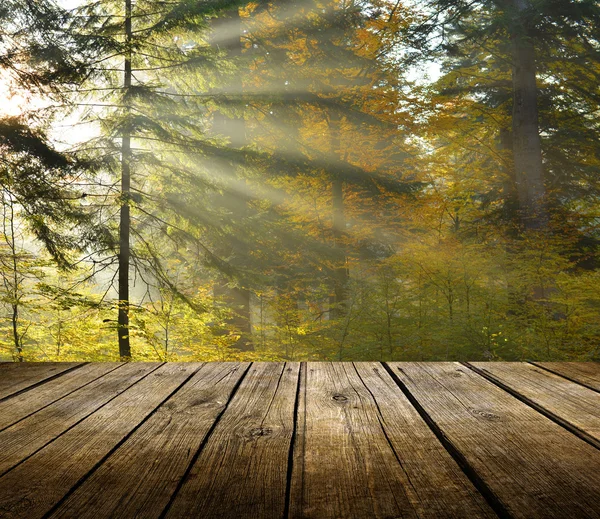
527, 150
510, 202
125, 218
15, 288
15, 330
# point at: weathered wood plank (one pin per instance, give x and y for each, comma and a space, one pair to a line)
344, 466
534, 467
25, 437
46, 477
18, 376
585, 373
140, 477
27, 403
570, 404
242, 470
434, 483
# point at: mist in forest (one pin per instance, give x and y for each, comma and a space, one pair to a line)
299, 180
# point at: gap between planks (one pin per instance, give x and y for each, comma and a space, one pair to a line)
25, 386
8, 464
556, 418
478, 482
85, 477
54, 389
564, 370
462, 462
203, 444
534, 466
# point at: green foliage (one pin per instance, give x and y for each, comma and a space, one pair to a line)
280, 152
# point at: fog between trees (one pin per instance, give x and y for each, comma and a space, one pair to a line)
281, 181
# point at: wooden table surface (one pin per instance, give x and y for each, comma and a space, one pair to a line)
300, 440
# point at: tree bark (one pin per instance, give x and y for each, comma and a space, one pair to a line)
125, 217
527, 149
12, 280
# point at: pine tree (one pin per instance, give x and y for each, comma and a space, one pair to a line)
154, 135
317, 87
472, 38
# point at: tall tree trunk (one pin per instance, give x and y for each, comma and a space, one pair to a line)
125, 217
15, 330
509, 196
15, 304
12, 281
527, 149
227, 35
516, 298
340, 274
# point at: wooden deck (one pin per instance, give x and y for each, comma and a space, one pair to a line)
316, 440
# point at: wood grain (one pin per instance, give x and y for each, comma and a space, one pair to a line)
310, 441
26, 436
569, 403
586, 373
18, 376
344, 467
140, 477
434, 483
27, 403
242, 470
533, 466
46, 477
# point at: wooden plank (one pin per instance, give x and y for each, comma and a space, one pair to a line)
18, 376
242, 470
574, 406
27, 403
435, 484
344, 466
531, 465
140, 477
25, 437
34, 487
585, 373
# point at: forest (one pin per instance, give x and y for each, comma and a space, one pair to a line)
299, 180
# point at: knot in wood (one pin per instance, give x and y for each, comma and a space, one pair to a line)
260, 431
168, 406
487, 415
339, 398
16, 508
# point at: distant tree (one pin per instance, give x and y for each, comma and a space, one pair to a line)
40, 208
321, 82
147, 52
481, 38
